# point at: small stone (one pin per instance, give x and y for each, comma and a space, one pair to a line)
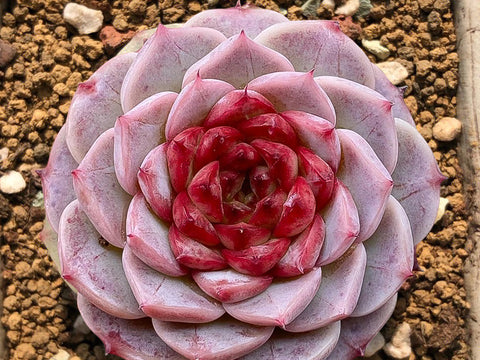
12, 182
82, 18
350, 28
376, 48
364, 8
394, 71
7, 53
441, 209
61, 355
309, 9
3, 153
349, 8
112, 40
374, 345
447, 129
399, 347
25, 352
80, 326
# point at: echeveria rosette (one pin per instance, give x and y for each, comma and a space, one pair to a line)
256, 197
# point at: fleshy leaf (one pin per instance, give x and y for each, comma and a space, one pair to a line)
338, 294
312, 345
356, 332
363, 110
241, 235
96, 105
294, 91
57, 179
146, 121
237, 61
130, 339
194, 103
366, 178
280, 303
307, 44
417, 188
155, 183
225, 338
162, 61
229, 286
390, 256
147, 237
95, 271
99, 193
341, 225
251, 19
167, 298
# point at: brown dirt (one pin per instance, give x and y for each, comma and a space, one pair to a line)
35, 92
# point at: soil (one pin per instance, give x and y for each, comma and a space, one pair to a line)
50, 59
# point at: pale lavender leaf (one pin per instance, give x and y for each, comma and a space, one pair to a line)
96, 271
280, 303
223, 339
96, 105
369, 114
237, 61
146, 121
130, 339
416, 187
366, 178
163, 60
99, 193
338, 293
390, 255
168, 298
308, 45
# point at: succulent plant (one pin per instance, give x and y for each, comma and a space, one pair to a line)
240, 187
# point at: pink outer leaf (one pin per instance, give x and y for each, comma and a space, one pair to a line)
162, 62
95, 271
154, 181
57, 180
390, 256
307, 45
194, 103
280, 303
96, 105
356, 333
294, 91
313, 345
303, 253
341, 225
366, 112
366, 178
417, 180
145, 121
99, 193
237, 61
229, 286
231, 21
168, 298
338, 294
147, 237
317, 134
130, 339
223, 339
392, 93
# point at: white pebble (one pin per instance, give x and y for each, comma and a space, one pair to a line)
376, 48
399, 347
394, 71
441, 209
447, 129
374, 345
349, 8
61, 355
12, 182
3, 153
82, 18
329, 4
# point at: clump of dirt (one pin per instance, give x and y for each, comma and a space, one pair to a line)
50, 59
